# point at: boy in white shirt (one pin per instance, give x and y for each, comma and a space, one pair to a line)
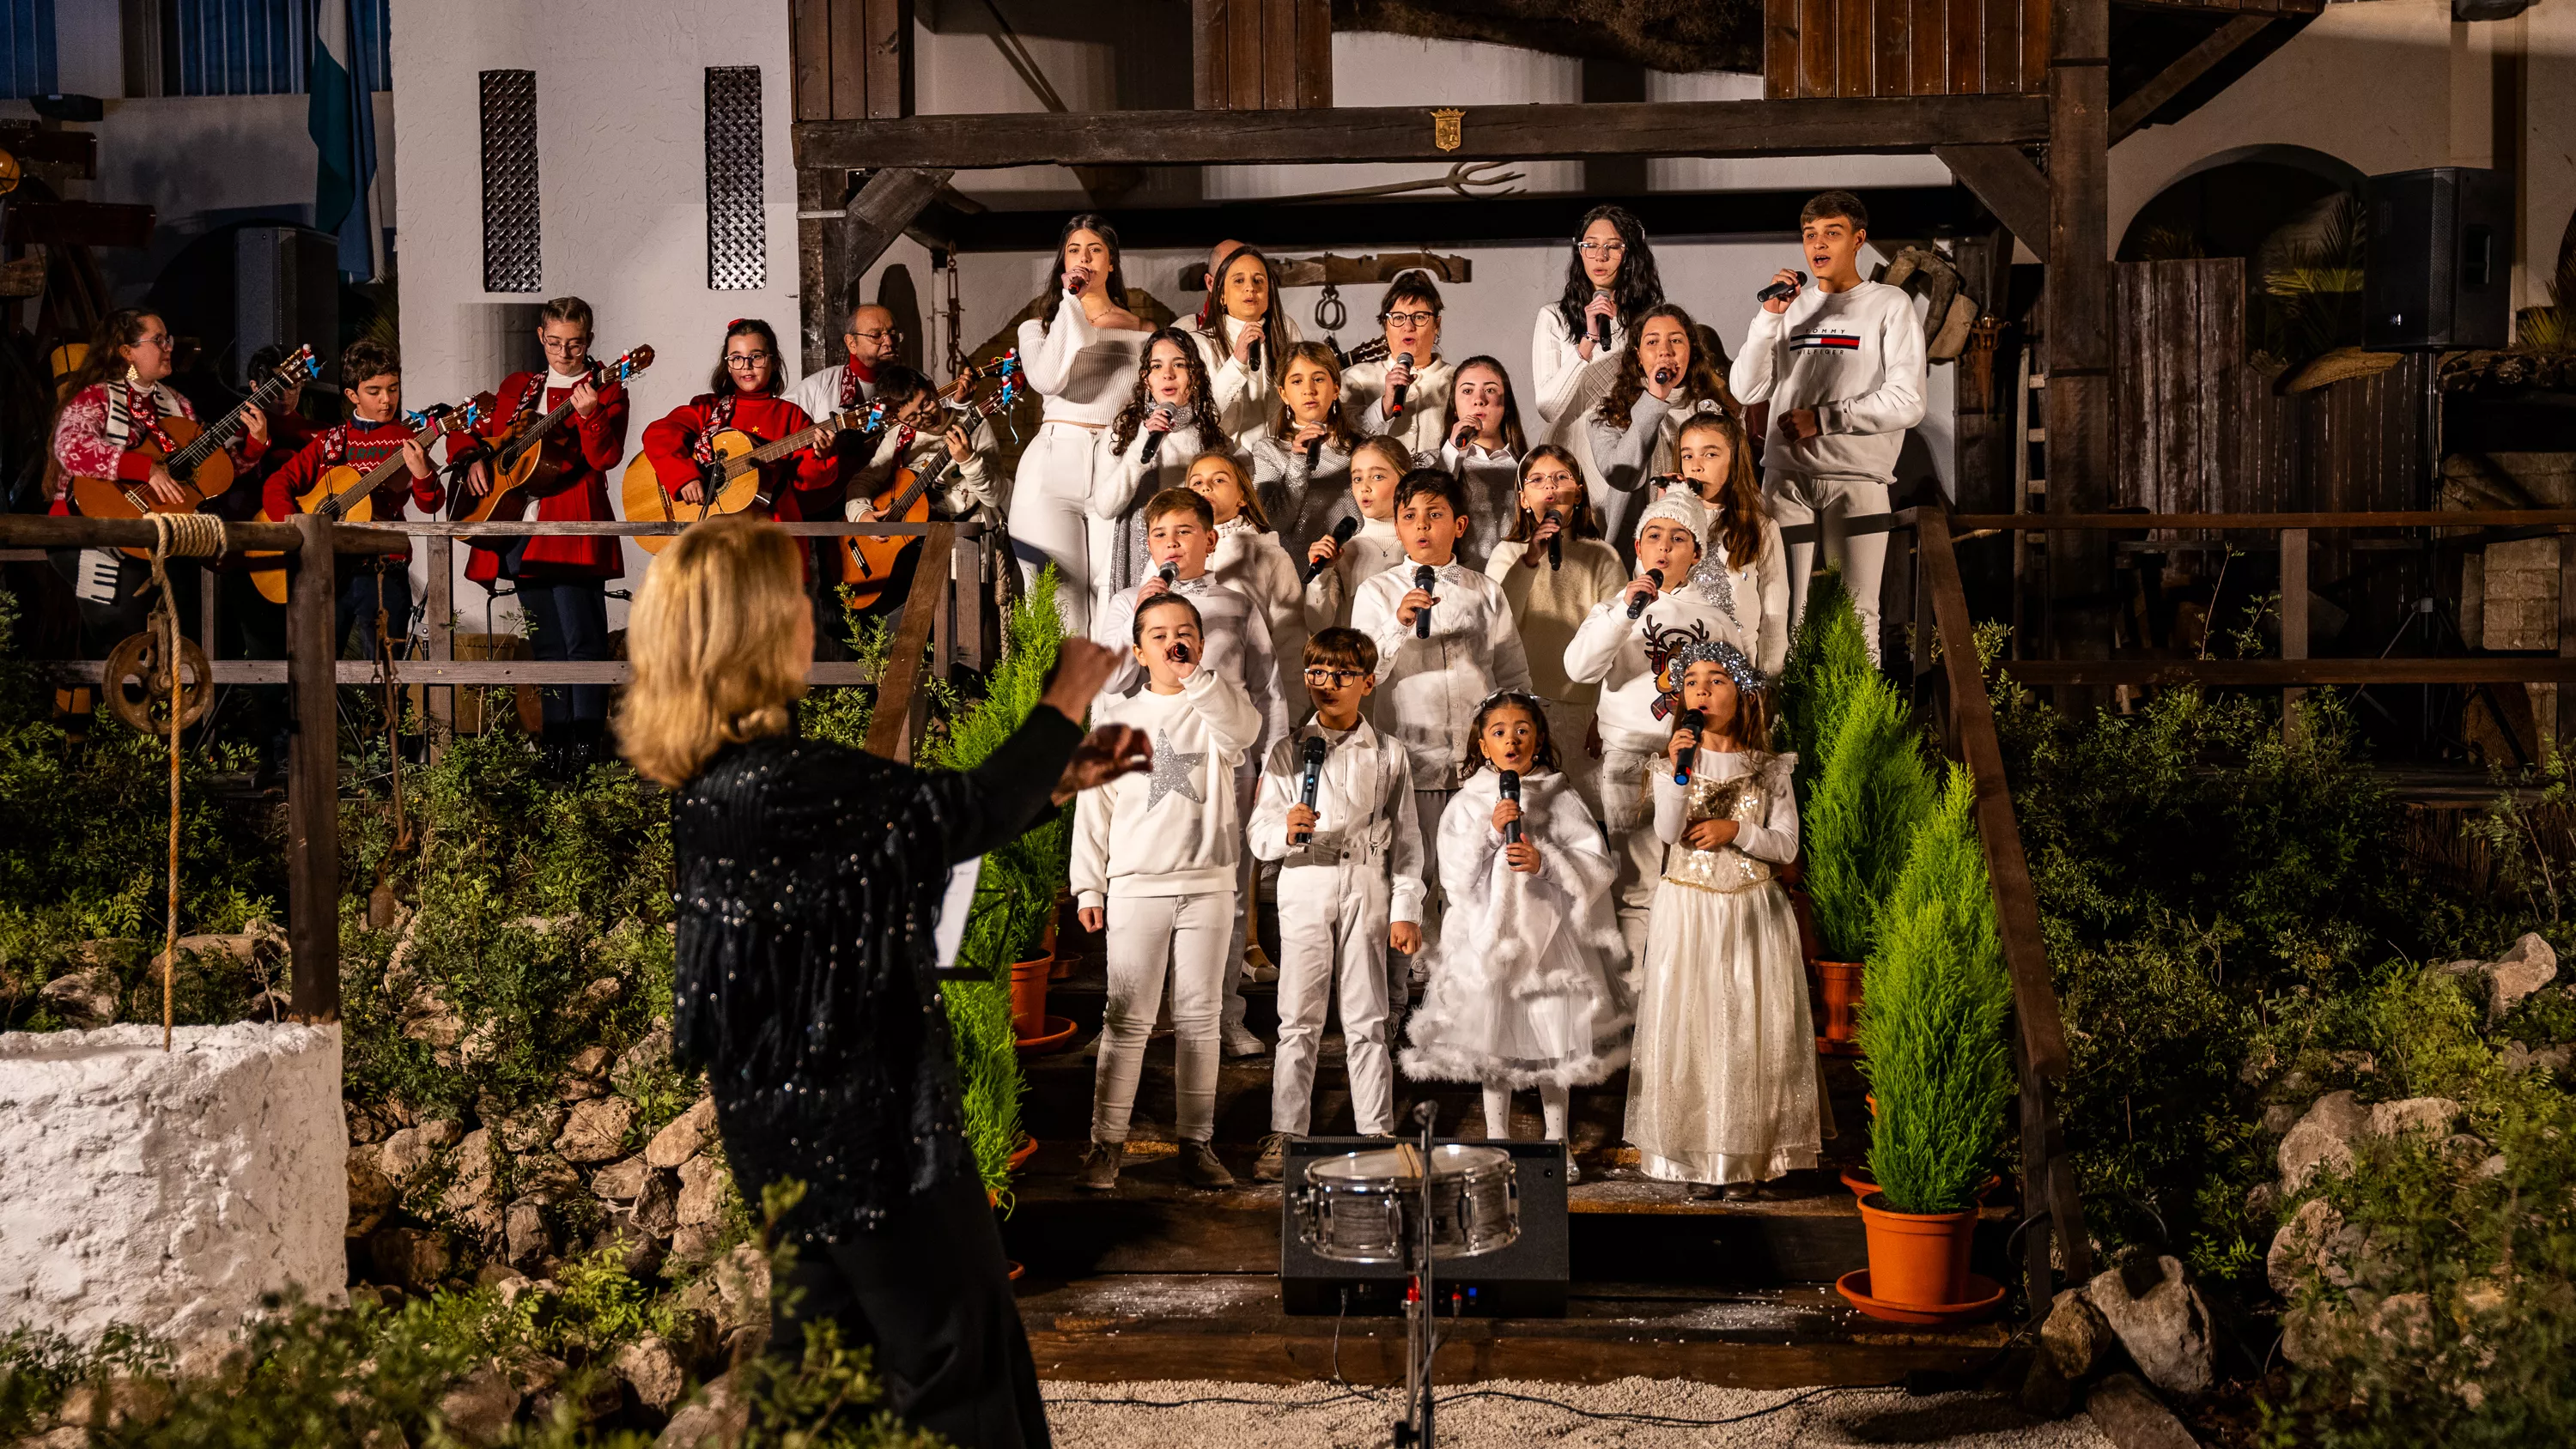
1842, 367
1350, 889
1154, 861
1624, 653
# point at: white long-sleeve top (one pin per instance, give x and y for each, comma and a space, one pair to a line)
1173, 831
1556, 367
1121, 482
1256, 565
1424, 423
1372, 550
819, 392
962, 492
1621, 460
1774, 839
1428, 689
1621, 655
1084, 373
1364, 813
1856, 357
1754, 599
1493, 479
1302, 503
1233, 632
1247, 402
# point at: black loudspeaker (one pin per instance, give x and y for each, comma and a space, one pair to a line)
2439, 270
1525, 1280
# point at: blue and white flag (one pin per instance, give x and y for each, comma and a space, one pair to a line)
343, 122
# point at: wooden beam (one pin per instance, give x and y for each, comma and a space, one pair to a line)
2076, 326
1337, 135
890, 725
851, 243
2296, 673
2129, 115
1965, 523
2012, 188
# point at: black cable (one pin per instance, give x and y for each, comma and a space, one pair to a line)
1665, 1420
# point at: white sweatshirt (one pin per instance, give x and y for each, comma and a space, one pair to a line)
1493, 479
818, 393
1613, 651
1247, 402
1256, 565
1303, 505
1556, 367
1234, 632
1428, 689
1084, 373
1172, 831
1424, 423
1364, 813
1372, 550
1121, 482
1620, 461
1754, 599
1856, 357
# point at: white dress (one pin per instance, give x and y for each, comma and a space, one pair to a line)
1723, 1085
1525, 990
1755, 598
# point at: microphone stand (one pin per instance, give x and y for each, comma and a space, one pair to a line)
1421, 1323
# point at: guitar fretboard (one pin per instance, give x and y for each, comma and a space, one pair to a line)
203, 446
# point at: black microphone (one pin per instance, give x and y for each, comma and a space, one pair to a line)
1600, 322
1423, 578
1311, 755
1342, 532
1154, 440
1511, 788
1637, 602
1256, 357
1170, 573
1314, 453
1693, 721
1395, 394
1556, 540
1466, 434
1778, 290
1663, 377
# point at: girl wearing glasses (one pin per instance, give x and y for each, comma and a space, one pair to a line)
1407, 400
1079, 356
1610, 281
742, 396
1242, 338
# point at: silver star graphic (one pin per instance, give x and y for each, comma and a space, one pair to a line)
1173, 772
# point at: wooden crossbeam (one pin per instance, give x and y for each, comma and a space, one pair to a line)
2295, 673
1343, 134
2012, 188
2129, 115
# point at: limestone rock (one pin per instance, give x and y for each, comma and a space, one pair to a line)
2528, 966
72, 1436
596, 1130
623, 1180
685, 1136
651, 1367
263, 943
546, 1174
2160, 1320
473, 1196
718, 1418
2279, 1118
657, 1207
2314, 1238
525, 1237
370, 1191
693, 1244
703, 1185
415, 1258
2075, 1336
649, 1052
2405, 1322
412, 1150
2414, 1114
2323, 1137
586, 1076
597, 997
122, 1402
533, 1128
368, 1124
734, 1292
480, 1408
84, 999
2554, 1059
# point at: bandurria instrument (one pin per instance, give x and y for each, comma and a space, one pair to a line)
534, 460
198, 463
343, 495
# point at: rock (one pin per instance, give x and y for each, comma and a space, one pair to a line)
473, 1196
533, 1128
2530, 965
2404, 1322
2075, 1336
718, 1418
734, 1292
415, 1258
2414, 1114
2314, 1238
597, 997
695, 1339
2521, 1058
2493, 1166
704, 1184
2263, 1200
2323, 1137
546, 1174
657, 1207
370, 1191
596, 1130
652, 1368
413, 1149
623, 1180
685, 1136
74, 1437
2160, 1320
650, 1051
433, 1021
585, 1077
640, 1254
84, 999
692, 1244
262, 944
525, 1238
2131, 1416
368, 1124
480, 1408
121, 1403
2279, 1118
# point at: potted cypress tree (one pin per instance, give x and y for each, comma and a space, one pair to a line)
1940, 1067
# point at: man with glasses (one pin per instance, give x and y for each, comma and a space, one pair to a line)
872, 342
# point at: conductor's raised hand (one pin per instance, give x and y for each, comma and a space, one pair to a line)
1105, 754
1081, 669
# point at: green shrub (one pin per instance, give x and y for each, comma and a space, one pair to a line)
1867, 782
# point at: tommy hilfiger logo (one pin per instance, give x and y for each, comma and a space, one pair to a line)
1836, 341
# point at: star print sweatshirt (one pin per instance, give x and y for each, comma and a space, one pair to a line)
1173, 830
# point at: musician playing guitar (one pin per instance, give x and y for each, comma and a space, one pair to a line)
371, 381
923, 438
872, 342
743, 396
562, 581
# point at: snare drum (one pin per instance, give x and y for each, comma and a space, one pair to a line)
1366, 1207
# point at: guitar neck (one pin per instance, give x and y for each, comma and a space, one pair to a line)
203, 446
378, 476
535, 437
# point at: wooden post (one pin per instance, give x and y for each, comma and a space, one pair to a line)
2077, 312
209, 595
901, 701
313, 777
2565, 728
439, 701
2294, 621
966, 596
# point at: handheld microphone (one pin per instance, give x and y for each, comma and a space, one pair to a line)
1314, 453
1511, 788
1663, 377
1696, 722
1170, 574
1601, 321
1256, 356
1556, 540
1423, 578
1637, 603
1395, 395
1181, 651
1311, 756
1154, 440
1342, 532
1778, 290
1466, 434
1074, 284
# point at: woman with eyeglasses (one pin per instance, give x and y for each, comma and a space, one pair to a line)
743, 395
1610, 281
1080, 356
1404, 392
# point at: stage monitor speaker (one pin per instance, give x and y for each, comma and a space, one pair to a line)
2438, 269
1525, 1280
286, 290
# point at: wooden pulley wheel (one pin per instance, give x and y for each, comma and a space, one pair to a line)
137, 681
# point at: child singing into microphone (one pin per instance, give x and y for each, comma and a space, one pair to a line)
1525, 988
1338, 561
1168, 421
1745, 569
1301, 467
1554, 569
1484, 449
1722, 1087
1666, 375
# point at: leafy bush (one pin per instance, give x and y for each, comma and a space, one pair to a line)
1867, 784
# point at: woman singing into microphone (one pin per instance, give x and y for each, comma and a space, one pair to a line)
1078, 356
1669, 372
1147, 449
1410, 364
1242, 339
1610, 281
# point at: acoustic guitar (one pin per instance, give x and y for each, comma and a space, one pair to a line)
344, 495
868, 560
198, 464
536, 460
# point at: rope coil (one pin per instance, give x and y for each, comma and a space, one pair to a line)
183, 535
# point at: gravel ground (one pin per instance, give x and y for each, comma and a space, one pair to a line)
1308, 1416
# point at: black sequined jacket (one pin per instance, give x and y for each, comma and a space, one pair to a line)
810, 879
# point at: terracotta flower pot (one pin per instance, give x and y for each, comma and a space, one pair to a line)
1838, 985
1917, 1259
1028, 996
1862, 1184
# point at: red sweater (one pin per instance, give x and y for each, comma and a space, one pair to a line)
766, 418
82, 449
583, 497
362, 445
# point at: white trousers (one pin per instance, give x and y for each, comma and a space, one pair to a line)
1428, 807
1630, 826
1188, 936
1332, 932
1049, 521
1796, 498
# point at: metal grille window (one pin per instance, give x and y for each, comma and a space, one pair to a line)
262, 47
27, 49
512, 258
737, 232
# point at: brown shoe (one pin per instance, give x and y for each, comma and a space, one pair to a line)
1100, 1165
1199, 1167
1703, 1192
1272, 1164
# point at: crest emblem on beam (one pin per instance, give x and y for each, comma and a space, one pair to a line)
1447, 129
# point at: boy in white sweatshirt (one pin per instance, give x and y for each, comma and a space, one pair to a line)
1624, 653
1842, 366
1154, 861
1350, 889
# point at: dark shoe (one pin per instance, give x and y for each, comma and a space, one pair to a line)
1199, 1167
1273, 1161
1100, 1165
1703, 1192
1743, 1192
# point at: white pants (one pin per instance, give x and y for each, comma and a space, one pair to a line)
1189, 936
1796, 498
1050, 523
1332, 930
1630, 825
1568, 726
1247, 784
1428, 807
1552, 1104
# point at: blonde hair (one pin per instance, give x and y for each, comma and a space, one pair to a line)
712, 638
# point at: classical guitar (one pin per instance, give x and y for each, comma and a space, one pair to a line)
868, 560
344, 495
534, 460
198, 463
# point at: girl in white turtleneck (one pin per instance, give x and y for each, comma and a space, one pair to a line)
1078, 355
1242, 338
1166, 417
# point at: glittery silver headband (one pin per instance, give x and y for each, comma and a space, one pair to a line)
1722, 654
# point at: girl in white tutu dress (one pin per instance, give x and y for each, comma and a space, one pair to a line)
1722, 1088
1525, 990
